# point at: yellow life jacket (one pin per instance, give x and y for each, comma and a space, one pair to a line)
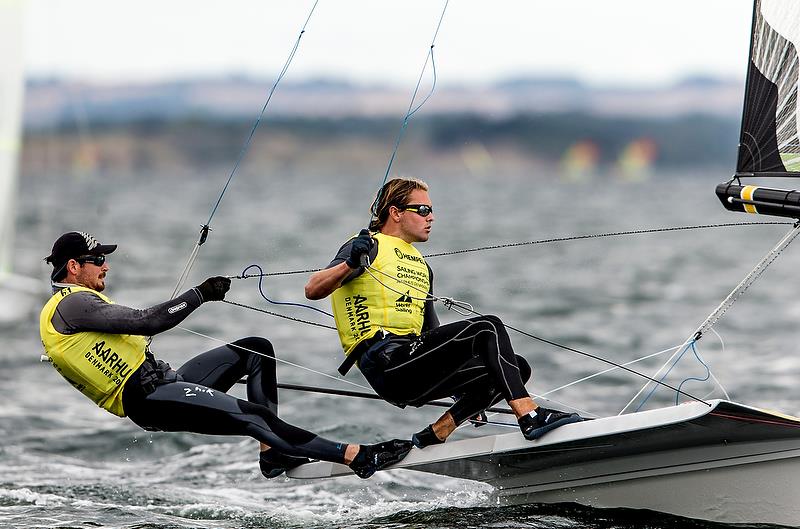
396, 304
98, 364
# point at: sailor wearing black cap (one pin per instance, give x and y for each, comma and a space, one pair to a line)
101, 348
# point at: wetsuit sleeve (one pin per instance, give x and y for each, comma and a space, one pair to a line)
431, 319
85, 311
344, 253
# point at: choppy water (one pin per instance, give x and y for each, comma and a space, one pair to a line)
65, 463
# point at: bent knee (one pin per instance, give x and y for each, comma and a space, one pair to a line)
491, 322
494, 320
525, 369
254, 344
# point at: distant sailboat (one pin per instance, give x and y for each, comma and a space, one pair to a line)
18, 294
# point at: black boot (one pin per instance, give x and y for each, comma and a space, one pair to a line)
372, 458
535, 426
273, 463
425, 438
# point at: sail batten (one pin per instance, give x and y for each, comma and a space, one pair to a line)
769, 141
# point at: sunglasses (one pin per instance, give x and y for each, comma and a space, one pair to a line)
97, 260
423, 210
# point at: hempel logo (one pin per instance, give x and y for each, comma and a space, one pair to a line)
402, 255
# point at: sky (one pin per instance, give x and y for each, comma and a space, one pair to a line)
602, 42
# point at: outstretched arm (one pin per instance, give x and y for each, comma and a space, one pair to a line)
85, 311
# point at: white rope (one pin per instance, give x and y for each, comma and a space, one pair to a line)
723, 307
722, 355
603, 372
749, 279
186, 269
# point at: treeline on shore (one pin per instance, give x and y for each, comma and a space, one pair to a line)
576, 140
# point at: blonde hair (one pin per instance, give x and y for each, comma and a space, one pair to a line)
395, 192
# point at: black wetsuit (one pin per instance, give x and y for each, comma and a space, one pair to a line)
471, 360
193, 399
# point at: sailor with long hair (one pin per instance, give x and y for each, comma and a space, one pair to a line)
388, 326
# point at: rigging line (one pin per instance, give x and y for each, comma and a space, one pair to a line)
602, 235
469, 308
373, 396
722, 355
601, 359
668, 371
748, 280
411, 110
735, 294
545, 241
291, 318
263, 109
331, 391
187, 267
338, 379
658, 371
610, 369
285, 303
699, 359
207, 226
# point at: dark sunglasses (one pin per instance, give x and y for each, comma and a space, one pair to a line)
97, 260
423, 210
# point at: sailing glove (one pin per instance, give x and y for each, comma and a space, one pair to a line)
214, 288
361, 247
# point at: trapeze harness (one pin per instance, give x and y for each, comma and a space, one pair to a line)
388, 326
101, 349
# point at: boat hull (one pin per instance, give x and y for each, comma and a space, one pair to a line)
723, 462
749, 483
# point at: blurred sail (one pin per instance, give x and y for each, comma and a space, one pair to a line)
11, 90
19, 295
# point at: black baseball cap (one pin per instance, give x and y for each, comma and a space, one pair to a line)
72, 245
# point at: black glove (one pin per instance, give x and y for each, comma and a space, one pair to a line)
214, 288
361, 246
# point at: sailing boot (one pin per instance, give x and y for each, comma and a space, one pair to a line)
273, 463
425, 438
534, 426
372, 458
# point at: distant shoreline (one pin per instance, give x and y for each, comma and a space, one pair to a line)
575, 143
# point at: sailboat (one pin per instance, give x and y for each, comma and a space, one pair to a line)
19, 295
713, 460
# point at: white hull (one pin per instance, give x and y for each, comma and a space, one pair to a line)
756, 483
726, 463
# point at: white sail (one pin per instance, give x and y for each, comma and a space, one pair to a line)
11, 90
18, 295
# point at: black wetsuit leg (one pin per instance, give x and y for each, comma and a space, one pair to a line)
471, 358
221, 367
481, 393
192, 406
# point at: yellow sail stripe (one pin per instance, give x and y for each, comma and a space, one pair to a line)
747, 194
